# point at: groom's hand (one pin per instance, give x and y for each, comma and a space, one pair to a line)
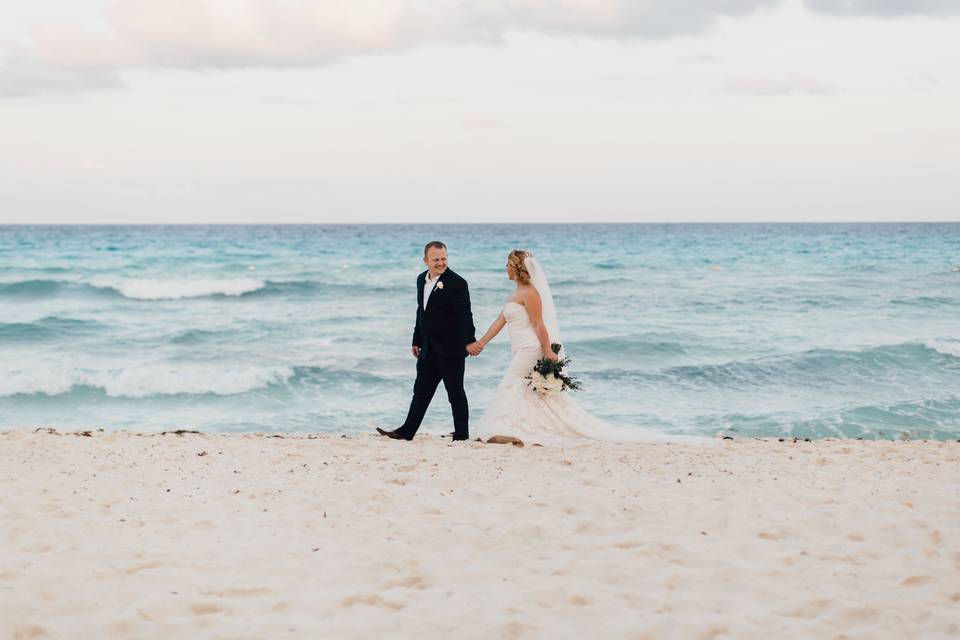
474, 348
415, 351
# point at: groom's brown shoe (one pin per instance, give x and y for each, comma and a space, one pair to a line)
391, 434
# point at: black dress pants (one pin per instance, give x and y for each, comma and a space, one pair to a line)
431, 369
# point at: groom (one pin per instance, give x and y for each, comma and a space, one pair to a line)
442, 339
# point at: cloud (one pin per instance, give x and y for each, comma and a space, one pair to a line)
26, 81
924, 82
624, 18
700, 58
885, 7
227, 34
283, 33
791, 83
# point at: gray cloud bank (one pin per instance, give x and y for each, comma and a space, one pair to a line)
25, 81
885, 7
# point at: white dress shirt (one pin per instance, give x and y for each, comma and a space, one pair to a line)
428, 285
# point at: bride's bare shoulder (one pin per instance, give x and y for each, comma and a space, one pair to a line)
529, 293
524, 295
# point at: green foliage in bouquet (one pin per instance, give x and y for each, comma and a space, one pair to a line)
545, 367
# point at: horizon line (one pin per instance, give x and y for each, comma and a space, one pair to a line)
464, 224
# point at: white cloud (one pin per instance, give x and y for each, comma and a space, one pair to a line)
215, 34
248, 33
924, 82
767, 85
60, 57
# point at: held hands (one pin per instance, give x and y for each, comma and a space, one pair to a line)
474, 349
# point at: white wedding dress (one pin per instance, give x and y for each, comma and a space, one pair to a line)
555, 419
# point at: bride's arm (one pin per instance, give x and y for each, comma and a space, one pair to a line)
535, 311
492, 331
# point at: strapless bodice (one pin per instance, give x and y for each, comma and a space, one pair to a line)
522, 335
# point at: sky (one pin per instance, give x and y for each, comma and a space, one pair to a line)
330, 111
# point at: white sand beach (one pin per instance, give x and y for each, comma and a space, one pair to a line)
128, 535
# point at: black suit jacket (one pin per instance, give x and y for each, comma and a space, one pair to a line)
445, 327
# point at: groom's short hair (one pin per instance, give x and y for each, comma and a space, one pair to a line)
435, 244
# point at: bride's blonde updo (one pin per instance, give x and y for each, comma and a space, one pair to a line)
519, 270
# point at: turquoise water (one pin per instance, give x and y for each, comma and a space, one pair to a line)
806, 330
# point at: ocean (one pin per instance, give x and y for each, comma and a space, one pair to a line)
806, 330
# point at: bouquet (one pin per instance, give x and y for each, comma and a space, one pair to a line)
548, 378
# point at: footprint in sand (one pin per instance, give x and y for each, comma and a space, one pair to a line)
513, 630
765, 535
205, 608
628, 544
371, 600
239, 592
676, 581
29, 631
859, 614
143, 567
411, 582
588, 527
810, 609
714, 631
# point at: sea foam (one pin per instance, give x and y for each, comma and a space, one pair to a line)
944, 347
156, 289
142, 382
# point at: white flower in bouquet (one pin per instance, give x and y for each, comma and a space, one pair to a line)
554, 384
537, 381
545, 385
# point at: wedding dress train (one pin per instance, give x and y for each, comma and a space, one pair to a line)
520, 412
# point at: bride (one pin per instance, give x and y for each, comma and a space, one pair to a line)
517, 412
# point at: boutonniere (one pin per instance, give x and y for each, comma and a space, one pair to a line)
440, 285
